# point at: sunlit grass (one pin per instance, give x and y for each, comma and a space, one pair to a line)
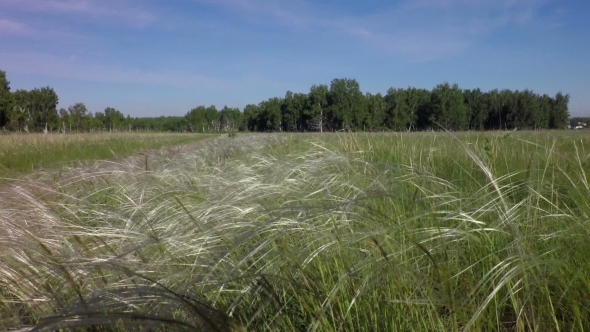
332, 232
26, 153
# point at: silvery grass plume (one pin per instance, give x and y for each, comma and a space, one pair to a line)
347, 232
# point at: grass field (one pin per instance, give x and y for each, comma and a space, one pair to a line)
314, 232
26, 153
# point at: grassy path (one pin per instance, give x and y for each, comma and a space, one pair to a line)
119, 153
22, 154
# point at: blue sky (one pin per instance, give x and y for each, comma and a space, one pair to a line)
149, 58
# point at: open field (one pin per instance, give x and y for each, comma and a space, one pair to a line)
25, 153
313, 232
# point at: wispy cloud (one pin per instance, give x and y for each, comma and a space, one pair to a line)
132, 15
74, 68
430, 29
11, 27
419, 30
478, 4
283, 12
49, 5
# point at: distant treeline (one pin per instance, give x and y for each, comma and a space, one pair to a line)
340, 106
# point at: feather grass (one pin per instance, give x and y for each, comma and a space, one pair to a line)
331, 232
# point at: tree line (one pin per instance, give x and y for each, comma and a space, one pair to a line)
341, 105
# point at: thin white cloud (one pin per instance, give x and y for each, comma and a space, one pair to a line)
291, 13
73, 68
418, 30
21, 29
11, 27
49, 5
130, 15
479, 4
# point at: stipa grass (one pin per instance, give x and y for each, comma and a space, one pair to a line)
348, 232
26, 153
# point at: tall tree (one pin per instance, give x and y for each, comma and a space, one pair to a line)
475, 102
203, 119
418, 101
545, 103
347, 104
229, 119
301, 104
495, 107
270, 115
65, 120
315, 114
509, 108
290, 113
113, 119
6, 99
528, 113
20, 117
78, 112
377, 109
251, 117
448, 107
43, 105
559, 113
399, 113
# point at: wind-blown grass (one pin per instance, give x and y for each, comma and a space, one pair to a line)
347, 232
27, 153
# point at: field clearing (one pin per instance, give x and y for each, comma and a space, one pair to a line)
313, 232
26, 153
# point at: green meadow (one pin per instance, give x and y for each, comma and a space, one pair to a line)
26, 153
424, 231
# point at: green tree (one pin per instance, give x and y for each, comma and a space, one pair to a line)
20, 117
315, 113
527, 114
289, 113
509, 111
113, 119
78, 112
448, 107
545, 103
559, 112
6, 99
65, 120
399, 114
90, 123
377, 108
100, 117
270, 115
477, 111
203, 119
301, 104
43, 108
418, 101
347, 105
230, 119
494, 102
252, 117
